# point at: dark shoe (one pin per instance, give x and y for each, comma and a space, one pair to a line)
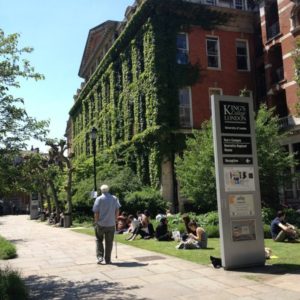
108, 262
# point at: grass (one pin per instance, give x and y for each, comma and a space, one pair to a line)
7, 249
288, 254
12, 286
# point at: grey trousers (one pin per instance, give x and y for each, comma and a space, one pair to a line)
106, 233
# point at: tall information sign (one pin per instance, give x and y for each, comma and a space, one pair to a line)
239, 205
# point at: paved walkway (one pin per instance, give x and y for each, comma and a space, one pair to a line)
58, 263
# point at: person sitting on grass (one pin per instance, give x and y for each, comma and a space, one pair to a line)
281, 230
144, 229
197, 238
162, 233
122, 221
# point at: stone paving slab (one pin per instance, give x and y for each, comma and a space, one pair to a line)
58, 263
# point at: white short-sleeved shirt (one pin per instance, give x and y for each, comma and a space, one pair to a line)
106, 205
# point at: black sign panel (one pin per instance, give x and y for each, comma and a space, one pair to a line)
237, 160
236, 145
234, 117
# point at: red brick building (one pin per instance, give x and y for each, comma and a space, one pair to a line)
226, 56
280, 28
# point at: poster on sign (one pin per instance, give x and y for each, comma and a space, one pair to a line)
243, 230
239, 179
241, 205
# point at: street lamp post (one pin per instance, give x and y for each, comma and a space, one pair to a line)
94, 137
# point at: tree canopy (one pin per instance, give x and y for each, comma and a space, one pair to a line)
16, 126
196, 169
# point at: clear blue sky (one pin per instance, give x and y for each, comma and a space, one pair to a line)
57, 30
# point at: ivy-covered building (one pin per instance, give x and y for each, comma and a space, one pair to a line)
148, 80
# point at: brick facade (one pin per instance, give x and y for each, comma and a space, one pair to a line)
280, 29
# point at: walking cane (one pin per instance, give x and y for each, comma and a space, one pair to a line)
116, 243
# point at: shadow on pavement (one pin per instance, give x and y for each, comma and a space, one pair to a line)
17, 241
275, 269
53, 287
129, 264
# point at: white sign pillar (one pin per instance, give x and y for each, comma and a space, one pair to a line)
238, 192
34, 205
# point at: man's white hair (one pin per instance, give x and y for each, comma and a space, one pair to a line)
104, 188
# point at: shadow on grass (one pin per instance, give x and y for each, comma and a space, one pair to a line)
56, 288
274, 269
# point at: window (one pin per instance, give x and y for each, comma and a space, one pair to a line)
210, 2
212, 50
185, 108
182, 49
239, 4
242, 55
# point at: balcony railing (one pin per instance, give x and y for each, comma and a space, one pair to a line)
286, 122
273, 30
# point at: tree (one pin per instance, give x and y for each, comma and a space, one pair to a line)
57, 155
196, 170
16, 127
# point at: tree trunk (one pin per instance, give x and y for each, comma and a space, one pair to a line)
54, 193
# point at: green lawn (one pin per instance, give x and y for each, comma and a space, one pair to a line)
288, 254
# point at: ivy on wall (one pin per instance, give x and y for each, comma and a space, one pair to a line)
132, 98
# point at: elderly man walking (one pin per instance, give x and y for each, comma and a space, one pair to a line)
106, 211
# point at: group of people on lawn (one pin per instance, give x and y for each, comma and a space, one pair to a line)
194, 238
106, 214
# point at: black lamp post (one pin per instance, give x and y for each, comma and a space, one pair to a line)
94, 137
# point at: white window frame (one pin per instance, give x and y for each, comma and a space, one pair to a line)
190, 105
244, 5
210, 2
187, 46
213, 37
248, 55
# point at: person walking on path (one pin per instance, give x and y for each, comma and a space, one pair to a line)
106, 211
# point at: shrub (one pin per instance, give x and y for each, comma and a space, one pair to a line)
148, 198
292, 217
212, 231
267, 231
12, 286
210, 218
268, 214
7, 249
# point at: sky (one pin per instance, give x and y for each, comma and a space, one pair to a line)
57, 30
